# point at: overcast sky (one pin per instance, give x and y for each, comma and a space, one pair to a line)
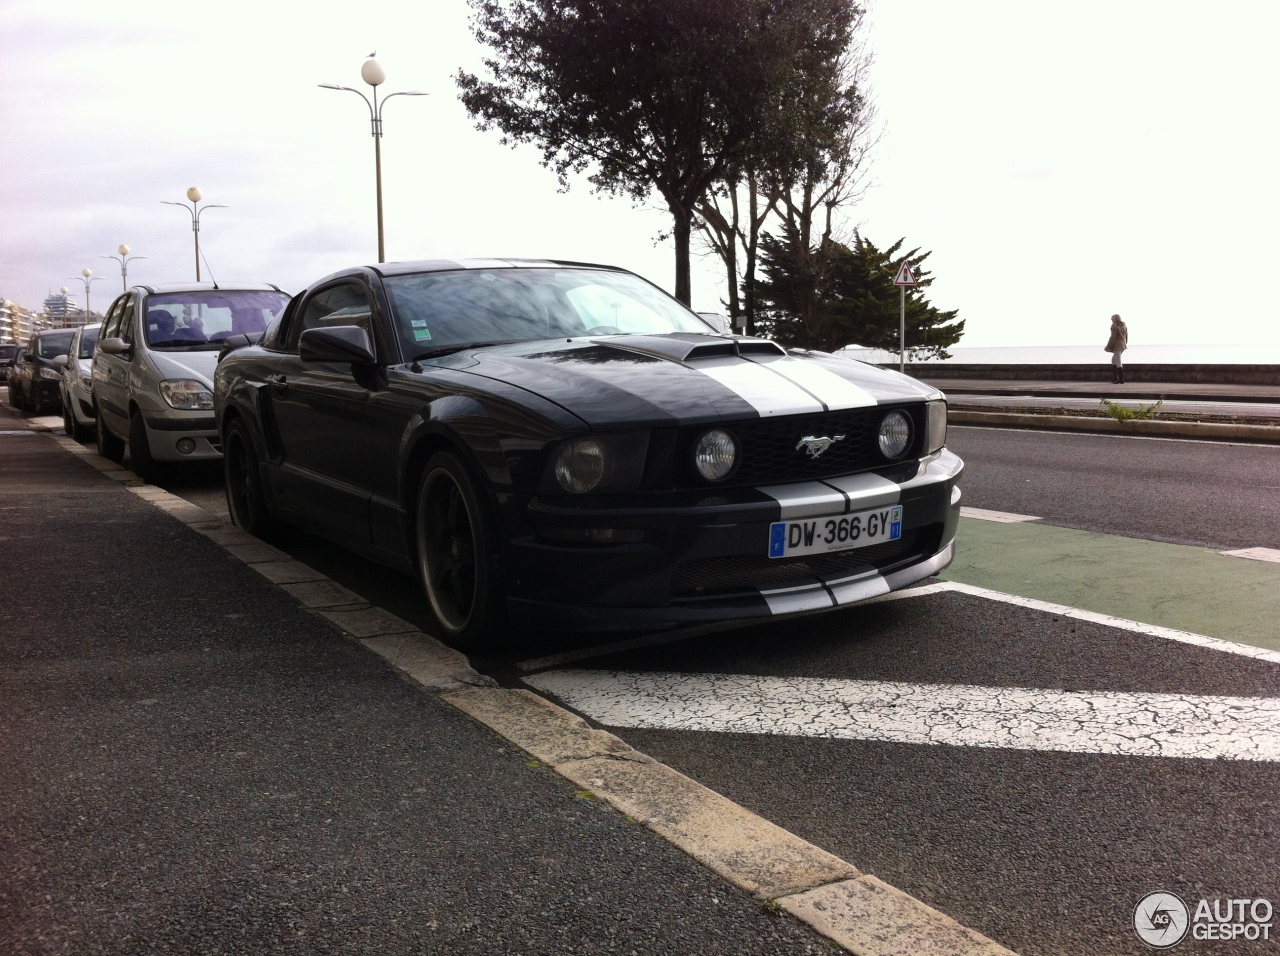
1062, 161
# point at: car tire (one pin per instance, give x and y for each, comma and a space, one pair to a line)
14, 398
81, 433
68, 423
456, 555
109, 446
246, 498
145, 466
33, 402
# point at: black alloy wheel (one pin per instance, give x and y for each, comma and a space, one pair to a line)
147, 467
109, 446
456, 550
245, 498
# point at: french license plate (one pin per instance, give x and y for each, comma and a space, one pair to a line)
787, 539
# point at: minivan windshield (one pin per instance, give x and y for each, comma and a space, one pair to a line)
201, 320
437, 310
51, 346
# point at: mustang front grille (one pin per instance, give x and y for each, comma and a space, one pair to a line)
768, 452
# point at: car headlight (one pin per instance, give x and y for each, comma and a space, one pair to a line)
601, 463
50, 373
935, 430
895, 434
715, 454
186, 394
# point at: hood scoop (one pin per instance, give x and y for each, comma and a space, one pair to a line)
689, 347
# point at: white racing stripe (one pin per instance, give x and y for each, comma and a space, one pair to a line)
767, 393
1018, 718
828, 387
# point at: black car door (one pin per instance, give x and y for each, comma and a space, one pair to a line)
328, 422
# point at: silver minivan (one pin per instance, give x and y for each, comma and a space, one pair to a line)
153, 367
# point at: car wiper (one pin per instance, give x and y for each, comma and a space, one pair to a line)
450, 349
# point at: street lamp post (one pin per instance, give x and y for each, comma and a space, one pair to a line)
124, 259
88, 278
195, 196
373, 74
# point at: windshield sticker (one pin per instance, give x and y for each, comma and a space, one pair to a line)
421, 335
418, 323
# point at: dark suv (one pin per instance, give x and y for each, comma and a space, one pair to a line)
40, 377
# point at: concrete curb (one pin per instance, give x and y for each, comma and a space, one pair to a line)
1211, 431
855, 910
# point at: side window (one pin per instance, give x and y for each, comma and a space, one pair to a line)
346, 304
111, 324
126, 318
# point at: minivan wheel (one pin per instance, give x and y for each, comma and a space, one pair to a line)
140, 449
245, 498
109, 446
457, 547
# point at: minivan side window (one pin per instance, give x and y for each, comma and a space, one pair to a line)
111, 324
126, 318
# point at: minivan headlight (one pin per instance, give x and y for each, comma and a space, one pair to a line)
187, 394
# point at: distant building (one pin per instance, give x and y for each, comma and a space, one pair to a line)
61, 311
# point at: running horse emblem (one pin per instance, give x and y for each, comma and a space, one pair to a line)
816, 445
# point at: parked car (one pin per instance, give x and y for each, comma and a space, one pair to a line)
39, 378
12, 375
554, 444
8, 353
77, 383
153, 367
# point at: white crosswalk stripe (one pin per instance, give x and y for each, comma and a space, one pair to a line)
1020, 718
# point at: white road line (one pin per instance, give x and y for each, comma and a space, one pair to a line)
1094, 617
1004, 517
1017, 718
670, 637
1256, 554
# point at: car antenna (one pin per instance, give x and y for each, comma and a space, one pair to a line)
208, 270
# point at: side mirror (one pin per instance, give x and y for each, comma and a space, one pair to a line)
29, 359
61, 361
114, 346
338, 343
239, 341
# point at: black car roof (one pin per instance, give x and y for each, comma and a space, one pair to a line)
448, 265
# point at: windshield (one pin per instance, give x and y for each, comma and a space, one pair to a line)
8, 351
196, 320
437, 310
88, 339
51, 346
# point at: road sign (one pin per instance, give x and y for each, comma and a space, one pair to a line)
906, 275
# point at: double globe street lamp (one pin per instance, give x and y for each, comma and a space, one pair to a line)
195, 196
373, 74
87, 277
124, 259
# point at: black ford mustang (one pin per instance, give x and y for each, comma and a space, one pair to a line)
564, 445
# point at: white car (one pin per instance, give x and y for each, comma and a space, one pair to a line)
153, 367
77, 383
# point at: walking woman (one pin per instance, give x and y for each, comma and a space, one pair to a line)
1116, 345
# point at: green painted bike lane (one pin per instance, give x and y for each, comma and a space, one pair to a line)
1176, 586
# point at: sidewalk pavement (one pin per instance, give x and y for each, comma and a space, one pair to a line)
208, 747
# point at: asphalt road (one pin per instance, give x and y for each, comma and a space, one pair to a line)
1045, 850
1215, 494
